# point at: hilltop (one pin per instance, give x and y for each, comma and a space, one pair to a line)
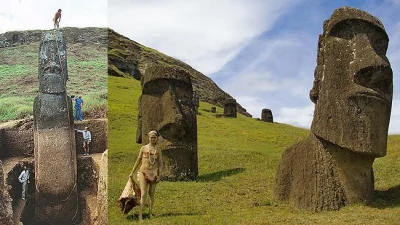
87, 63
127, 58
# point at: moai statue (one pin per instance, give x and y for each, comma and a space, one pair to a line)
352, 93
54, 137
230, 108
266, 115
213, 109
166, 105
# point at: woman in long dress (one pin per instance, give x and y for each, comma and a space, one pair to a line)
150, 162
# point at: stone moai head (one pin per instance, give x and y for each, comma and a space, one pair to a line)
52, 72
166, 105
230, 108
353, 83
266, 115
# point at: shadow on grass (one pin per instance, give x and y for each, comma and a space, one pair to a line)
387, 199
217, 176
135, 217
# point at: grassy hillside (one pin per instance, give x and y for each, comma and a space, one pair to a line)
237, 164
87, 70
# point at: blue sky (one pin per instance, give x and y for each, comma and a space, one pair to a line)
261, 52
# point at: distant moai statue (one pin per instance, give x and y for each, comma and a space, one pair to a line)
230, 108
352, 93
213, 109
166, 106
266, 115
56, 198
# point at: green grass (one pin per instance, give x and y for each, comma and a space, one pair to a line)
15, 107
238, 159
87, 72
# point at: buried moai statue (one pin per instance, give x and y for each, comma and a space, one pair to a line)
266, 115
230, 108
54, 137
166, 105
352, 93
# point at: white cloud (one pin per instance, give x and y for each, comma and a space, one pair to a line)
38, 14
206, 34
301, 117
394, 126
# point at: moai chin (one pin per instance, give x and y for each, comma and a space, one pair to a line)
230, 108
166, 106
56, 197
266, 115
352, 93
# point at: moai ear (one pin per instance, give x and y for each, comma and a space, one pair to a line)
139, 135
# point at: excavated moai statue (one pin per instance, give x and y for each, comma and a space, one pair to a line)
230, 108
352, 93
266, 116
54, 137
166, 105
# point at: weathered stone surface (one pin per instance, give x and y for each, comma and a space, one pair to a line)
6, 213
353, 96
166, 106
54, 137
98, 130
122, 65
266, 116
102, 192
230, 108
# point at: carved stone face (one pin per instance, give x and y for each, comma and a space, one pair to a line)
230, 108
353, 84
52, 63
166, 106
266, 115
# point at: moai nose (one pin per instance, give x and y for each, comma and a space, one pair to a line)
370, 68
173, 125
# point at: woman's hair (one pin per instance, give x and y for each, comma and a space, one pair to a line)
153, 132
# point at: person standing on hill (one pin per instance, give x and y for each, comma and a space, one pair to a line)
57, 19
24, 180
78, 108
